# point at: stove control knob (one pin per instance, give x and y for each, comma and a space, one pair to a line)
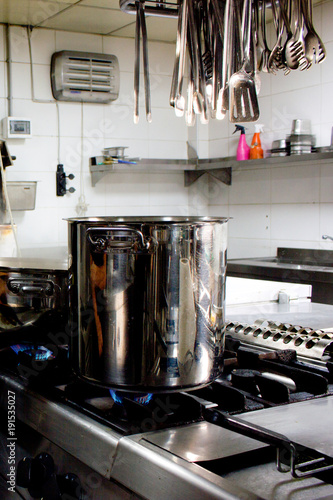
37, 474
23, 474
70, 486
46, 464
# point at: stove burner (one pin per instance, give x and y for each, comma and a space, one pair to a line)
39, 353
142, 399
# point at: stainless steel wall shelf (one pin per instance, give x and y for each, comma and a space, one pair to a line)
219, 168
193, 169
287, 160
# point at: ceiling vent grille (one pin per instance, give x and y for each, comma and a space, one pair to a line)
84, 77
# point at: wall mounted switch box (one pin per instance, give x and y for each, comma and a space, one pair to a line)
16, 128
61, 180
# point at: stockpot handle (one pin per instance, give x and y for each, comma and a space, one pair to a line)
103, 242
21, 286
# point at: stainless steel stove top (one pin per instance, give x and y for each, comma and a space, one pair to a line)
174, 463
175, 447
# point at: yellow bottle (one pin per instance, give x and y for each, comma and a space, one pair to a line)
256, 150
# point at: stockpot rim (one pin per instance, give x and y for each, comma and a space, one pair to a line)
131, 219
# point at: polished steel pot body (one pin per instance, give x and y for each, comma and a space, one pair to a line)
27, 292
147, 300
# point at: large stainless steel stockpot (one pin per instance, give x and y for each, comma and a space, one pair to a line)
29, 288
147, 301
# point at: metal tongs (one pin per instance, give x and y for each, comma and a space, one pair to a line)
141, 26
176, 98
243, 99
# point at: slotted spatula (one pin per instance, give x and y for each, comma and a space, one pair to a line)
243, 99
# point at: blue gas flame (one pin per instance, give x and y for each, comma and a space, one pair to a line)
40, 354
142, 399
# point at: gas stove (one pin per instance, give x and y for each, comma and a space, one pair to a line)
262, 430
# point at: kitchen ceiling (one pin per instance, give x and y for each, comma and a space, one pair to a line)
102, 17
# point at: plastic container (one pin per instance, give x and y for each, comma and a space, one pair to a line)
256, 151
243, 149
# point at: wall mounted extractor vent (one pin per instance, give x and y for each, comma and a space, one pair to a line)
84, 76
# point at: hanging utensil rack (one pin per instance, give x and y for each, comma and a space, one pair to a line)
226, 50
153, 7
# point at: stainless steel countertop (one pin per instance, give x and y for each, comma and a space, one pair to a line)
271, 268
44, 258
298, 423
296, 312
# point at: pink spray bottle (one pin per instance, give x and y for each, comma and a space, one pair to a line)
243, 150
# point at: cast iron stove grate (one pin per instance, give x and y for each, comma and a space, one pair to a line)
53, 379
244, 386
256, 378
130, 416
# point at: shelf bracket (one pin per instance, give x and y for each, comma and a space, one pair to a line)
221, 174
190, 176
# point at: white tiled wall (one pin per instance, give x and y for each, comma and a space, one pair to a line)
292, 205
269, 206
100, 126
